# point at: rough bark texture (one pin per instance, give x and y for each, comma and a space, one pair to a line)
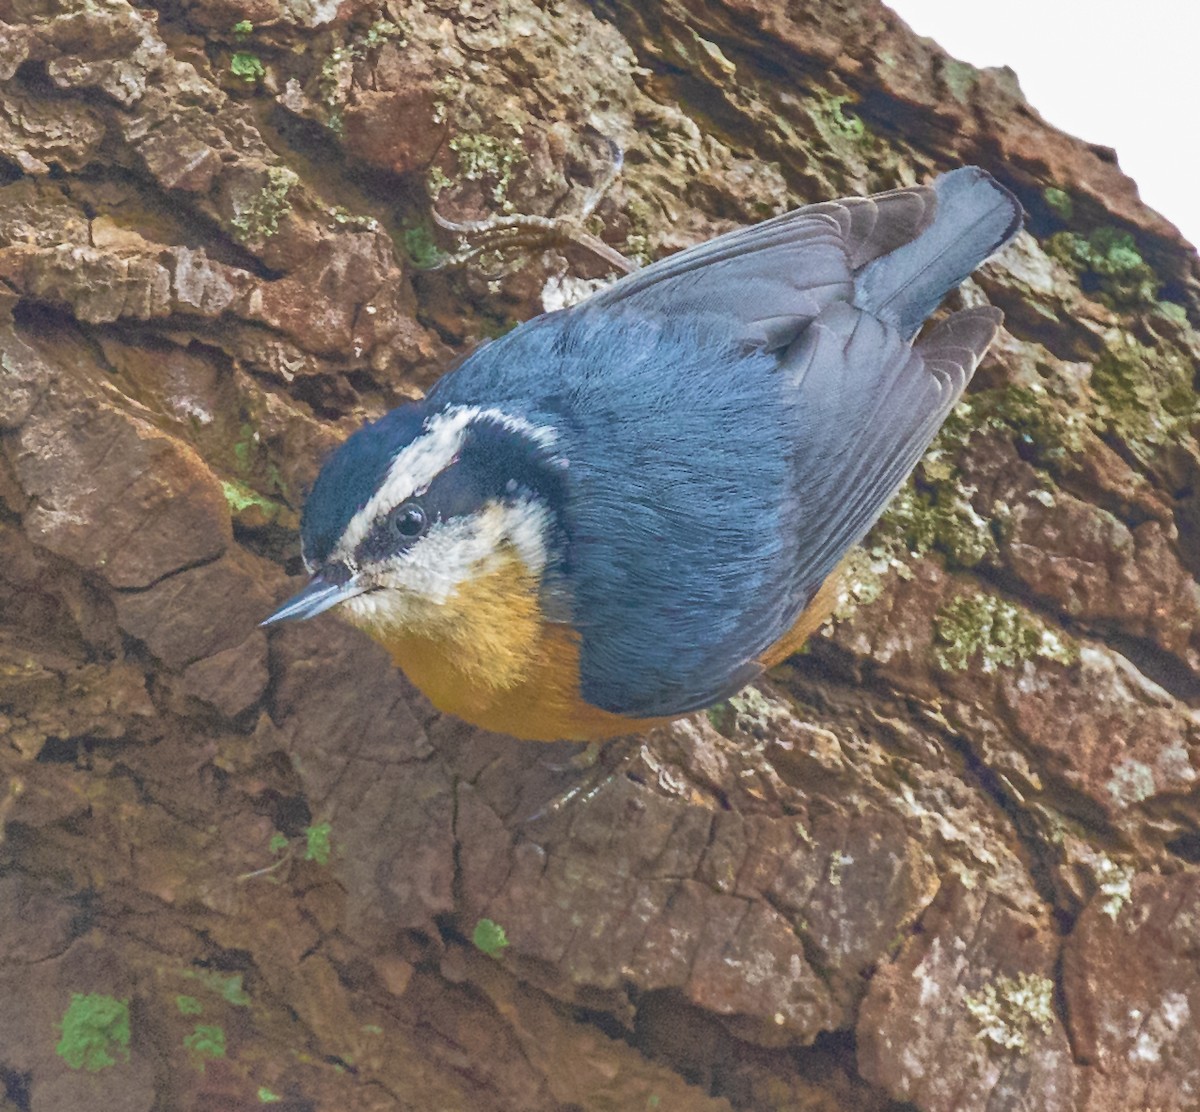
945, 860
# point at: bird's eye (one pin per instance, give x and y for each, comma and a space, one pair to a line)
408, 522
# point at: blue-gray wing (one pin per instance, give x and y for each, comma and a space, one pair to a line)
682, 588
773, 279
871, 404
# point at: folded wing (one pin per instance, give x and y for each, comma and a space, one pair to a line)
835, 292
871, 405
772, 280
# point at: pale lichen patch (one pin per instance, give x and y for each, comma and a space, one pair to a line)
483, 157
993, 633
1116, 885
561, 291
1008, 1010
260, 219
1131, 782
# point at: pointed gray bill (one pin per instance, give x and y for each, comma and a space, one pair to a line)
315, 599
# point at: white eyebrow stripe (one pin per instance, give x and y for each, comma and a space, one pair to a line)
413, 468
417, 464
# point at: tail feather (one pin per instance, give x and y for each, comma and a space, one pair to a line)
975, 217
875, 225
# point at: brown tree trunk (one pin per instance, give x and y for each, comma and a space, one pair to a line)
946, 857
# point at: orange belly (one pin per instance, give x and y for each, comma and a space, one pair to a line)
488, 657
543, 704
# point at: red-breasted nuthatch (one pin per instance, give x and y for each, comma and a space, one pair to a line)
626, 510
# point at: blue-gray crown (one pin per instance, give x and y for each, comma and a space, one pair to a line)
496, 458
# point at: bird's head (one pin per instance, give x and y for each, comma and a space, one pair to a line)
417, 507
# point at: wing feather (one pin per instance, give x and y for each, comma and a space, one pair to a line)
869, 406
773, 279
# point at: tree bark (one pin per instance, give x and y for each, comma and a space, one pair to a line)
944, 860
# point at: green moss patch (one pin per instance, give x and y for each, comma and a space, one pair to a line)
1144, 393
938, 515
941, 519
95, 1032
240, 497
489, 937
1048, 427
317, 843
989, 632
247, 66
206, 1041
1059, 202
1107, 263
420, 247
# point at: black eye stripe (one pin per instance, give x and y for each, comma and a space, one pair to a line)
494, 464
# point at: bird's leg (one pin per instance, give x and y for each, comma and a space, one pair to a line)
599, 774
522, 232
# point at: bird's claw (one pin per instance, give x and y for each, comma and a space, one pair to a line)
505, 234
600, 773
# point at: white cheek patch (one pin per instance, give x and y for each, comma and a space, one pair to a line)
417, 464
402, 590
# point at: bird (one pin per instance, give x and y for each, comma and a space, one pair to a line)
625, 511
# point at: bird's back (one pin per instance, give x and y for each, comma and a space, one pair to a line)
735, 417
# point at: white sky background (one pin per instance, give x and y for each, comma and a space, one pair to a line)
1124, 73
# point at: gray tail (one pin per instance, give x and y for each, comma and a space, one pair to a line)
976, 216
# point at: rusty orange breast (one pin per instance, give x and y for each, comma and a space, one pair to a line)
488, 656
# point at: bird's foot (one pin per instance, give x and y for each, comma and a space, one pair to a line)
501, 235
602, 762
581, 760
